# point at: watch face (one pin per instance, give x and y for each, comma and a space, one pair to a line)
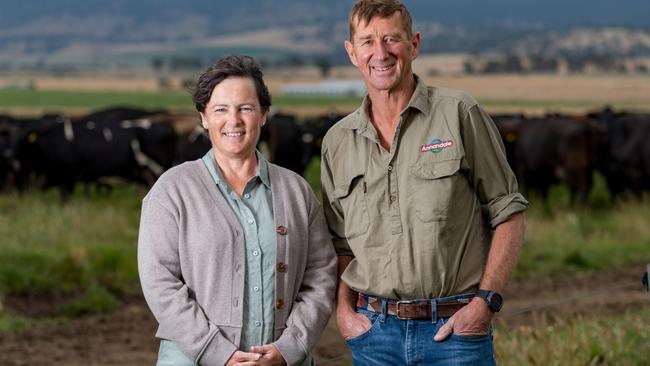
496, 301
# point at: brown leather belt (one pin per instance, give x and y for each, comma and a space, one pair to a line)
410, 309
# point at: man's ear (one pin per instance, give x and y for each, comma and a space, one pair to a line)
415, 43
349, 47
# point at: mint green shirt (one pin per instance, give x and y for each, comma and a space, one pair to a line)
254, 210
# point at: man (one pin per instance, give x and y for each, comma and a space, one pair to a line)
422, 207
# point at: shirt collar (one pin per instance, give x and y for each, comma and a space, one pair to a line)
419, 100
262, 169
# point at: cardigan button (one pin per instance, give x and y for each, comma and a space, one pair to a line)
282, 267
281, 230
279, 304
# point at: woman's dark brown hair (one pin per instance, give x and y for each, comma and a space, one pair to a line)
229, 66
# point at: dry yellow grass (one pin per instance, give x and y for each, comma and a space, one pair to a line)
531, 94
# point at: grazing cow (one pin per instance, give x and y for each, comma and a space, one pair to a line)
192, 145
557, 149
314, 129
281, 142
508, 126
88, 150
626, 163
8, 131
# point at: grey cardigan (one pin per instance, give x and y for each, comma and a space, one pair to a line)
191, 259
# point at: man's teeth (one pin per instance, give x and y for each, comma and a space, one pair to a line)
234, 134
382, 68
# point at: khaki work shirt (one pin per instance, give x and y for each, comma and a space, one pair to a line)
418, 219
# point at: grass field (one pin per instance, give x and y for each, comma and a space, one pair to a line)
615, 340
82, 255
87, 248
533, 94
63, 100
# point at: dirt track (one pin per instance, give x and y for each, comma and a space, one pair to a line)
126, 337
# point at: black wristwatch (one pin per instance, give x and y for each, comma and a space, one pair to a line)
493, 299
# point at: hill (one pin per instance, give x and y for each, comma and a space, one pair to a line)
127, 34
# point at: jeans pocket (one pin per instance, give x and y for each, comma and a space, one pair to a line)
471, 338
374, 320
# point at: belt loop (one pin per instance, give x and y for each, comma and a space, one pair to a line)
434, 311
384, 310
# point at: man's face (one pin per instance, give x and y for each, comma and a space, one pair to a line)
383, 53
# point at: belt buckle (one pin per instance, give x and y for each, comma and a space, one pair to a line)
400, 302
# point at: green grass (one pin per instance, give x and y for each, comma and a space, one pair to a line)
561, 239
85, 250
615, 340
62, 100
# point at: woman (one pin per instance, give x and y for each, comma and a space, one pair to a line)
234, 255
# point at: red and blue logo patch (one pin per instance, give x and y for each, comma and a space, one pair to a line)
436, 146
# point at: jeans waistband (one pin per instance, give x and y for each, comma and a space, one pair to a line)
462, 298
419, 309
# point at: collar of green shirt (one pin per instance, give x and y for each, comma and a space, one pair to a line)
419, 100
262, 169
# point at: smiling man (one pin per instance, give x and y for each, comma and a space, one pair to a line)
423, 209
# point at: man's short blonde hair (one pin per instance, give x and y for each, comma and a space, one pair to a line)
365, 10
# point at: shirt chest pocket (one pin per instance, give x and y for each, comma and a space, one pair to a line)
351, 193
434, 185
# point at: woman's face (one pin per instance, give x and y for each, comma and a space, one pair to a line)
234, 118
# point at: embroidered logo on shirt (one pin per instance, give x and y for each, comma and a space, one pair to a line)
436, 146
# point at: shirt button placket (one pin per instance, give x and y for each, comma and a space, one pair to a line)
395, 218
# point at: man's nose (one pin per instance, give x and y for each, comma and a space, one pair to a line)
381, 51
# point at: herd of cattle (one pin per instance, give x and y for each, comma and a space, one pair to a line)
128, 144
138, 145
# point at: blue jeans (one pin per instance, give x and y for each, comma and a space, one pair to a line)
391, 341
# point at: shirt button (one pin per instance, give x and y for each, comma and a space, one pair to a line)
251, 221
256, 289
255, 252
390, 167
282, 267
247, 196
393, 198
258, 324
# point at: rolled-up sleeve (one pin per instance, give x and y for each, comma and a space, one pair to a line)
489, 172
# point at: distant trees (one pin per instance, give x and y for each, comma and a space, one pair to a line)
524, 64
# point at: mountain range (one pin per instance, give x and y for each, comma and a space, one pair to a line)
97, 31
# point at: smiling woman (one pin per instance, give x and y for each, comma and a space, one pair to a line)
234, 255
234, 118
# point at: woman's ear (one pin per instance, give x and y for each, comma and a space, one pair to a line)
204, 123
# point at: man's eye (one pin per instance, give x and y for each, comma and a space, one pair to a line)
220, 110
246, 109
